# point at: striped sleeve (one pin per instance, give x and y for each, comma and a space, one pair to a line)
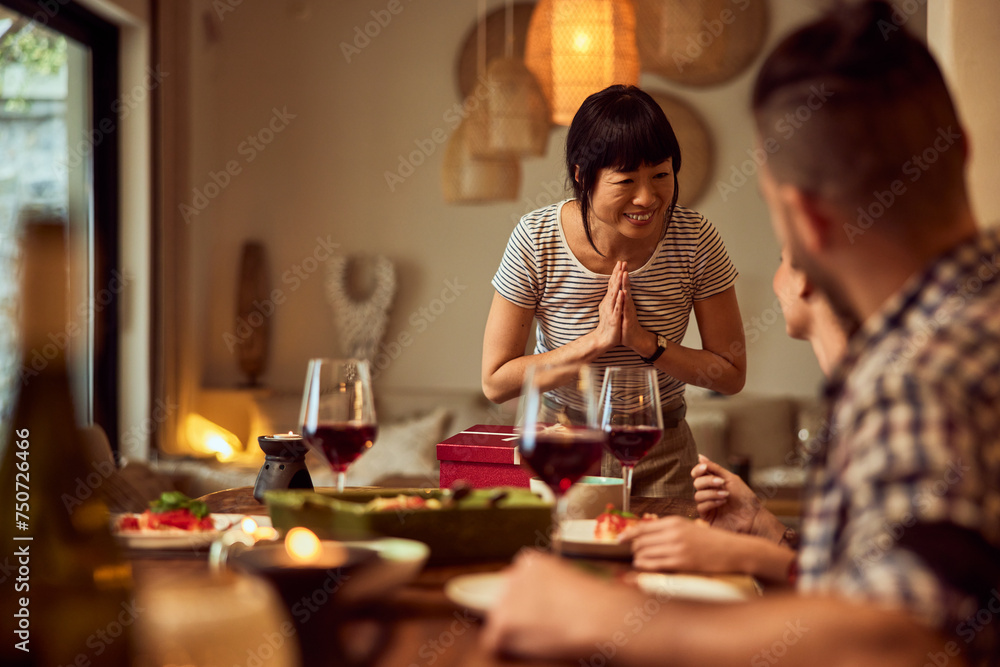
517, 278
713, 271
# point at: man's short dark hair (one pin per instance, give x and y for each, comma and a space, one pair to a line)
853, 108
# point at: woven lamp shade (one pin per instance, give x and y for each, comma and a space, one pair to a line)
699, 42
467, 179
578, 47
513, 120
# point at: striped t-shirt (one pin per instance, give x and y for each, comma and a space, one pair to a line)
538, 271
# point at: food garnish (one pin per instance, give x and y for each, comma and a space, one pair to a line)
172, 510
613, 522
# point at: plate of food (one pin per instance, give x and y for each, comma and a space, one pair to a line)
600, 537
174, 521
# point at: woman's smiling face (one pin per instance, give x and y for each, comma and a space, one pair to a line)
633, 203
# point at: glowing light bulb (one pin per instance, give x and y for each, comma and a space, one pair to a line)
581, 42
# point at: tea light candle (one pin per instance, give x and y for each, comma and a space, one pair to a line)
284, 436
302, 545
258, 533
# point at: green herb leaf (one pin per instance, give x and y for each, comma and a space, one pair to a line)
621, 513
175, 500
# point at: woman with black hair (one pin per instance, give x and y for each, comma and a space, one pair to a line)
611, 277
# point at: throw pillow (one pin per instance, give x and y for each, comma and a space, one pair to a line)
406, 448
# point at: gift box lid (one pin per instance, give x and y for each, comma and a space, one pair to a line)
482, 443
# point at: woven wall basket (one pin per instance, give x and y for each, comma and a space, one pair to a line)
697, 149
700, 42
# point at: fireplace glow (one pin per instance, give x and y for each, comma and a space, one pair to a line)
207, 437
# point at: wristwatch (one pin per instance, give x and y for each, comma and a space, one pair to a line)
661, 345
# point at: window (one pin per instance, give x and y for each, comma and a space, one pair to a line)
59, 152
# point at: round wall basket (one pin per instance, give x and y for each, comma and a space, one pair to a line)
699, 42
467, 65
697, 150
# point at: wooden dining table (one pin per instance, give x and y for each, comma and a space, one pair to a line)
415, 626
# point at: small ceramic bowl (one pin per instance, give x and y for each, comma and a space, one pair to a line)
588, 497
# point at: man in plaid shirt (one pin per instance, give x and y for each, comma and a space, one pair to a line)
863, 162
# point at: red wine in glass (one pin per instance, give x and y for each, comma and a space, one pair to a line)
342, 442
561, 458
629, 444
338, 413
631, 415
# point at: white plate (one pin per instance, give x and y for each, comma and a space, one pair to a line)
180, 539
578, 540
480, 592
696, 587
476, 592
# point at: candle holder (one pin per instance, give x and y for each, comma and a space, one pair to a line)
284, 464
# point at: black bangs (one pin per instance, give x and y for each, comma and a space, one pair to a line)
620, 127
636, 137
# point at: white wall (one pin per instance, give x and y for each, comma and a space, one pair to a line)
323, 176
965, 37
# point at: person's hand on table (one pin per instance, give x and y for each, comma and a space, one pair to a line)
539, 613
675, 543
724, 500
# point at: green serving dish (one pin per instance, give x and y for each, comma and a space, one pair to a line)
471, 529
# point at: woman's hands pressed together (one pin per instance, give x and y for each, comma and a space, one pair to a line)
609, 324
618, 323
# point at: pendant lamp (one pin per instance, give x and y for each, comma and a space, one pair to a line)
514, 117
467, 179
578, 47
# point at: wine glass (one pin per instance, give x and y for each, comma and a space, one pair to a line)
632, 417
558, 431
338, 414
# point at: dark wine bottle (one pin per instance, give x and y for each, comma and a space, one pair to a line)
65, 588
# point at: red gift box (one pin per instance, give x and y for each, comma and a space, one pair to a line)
483, 456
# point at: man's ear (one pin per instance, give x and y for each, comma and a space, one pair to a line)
813, 226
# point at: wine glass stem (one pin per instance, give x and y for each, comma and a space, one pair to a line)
559, 510
627, 486
341, 477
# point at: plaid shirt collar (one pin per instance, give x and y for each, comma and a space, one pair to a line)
923, 294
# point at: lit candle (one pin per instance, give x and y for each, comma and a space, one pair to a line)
302, 545
285, 436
